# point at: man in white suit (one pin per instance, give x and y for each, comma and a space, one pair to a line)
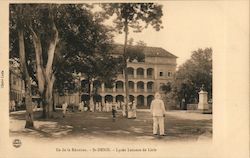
157, 109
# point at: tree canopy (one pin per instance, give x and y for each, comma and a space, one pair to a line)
59, 39
194, 73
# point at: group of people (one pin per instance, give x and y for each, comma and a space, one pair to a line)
157, 110
107, 107
20, 105
16, 105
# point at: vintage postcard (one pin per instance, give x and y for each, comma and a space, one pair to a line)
124, 79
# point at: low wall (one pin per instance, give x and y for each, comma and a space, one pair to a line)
193, 107
70, 99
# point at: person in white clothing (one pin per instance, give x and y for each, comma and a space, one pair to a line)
158, 111
123, 106
64, 108
80, 107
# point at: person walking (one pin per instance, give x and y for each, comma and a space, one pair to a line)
158, 111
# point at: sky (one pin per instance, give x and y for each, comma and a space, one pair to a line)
187, 27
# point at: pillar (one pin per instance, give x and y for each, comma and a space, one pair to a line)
135, 87
103, 100
203, 105
135, 73
114, 87
135, 99
102, 87
145, 73
113, 98
145, 86
124, 88
145, 101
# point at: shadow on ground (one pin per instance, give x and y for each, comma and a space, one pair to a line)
94, 125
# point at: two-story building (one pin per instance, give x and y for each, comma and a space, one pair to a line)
145, 78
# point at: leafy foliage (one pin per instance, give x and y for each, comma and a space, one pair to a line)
194, 73
135, 14
82, 37
135, 53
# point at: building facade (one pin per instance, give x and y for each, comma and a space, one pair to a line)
144, 79
16, 84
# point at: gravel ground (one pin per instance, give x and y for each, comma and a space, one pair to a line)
179, 126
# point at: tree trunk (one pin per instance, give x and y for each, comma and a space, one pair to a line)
125, 67
91, 100
45, 75
26, 76
49, 98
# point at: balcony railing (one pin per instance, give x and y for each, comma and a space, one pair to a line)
130, 76
150, 76
140, 90
150, 90
140, 76
131, 90
108, 90
119, 90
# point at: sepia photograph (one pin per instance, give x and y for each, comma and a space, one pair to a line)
115, 79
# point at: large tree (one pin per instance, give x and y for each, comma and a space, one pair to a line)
192, 75
56, 34
135, 16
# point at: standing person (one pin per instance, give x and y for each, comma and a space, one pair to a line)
13, 105
107, 106
19, 105
130, 112
64, 108
158, 111
91, 106
85, 106
123, 108
134, 110
99, 106
80, 108
114, 109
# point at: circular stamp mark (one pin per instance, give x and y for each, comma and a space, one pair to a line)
17, 143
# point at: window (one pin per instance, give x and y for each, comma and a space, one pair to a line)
169, 74
161, 73
161, 86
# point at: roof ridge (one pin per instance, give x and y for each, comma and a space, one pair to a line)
148, 51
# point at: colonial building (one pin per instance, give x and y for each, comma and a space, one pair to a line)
145, 78
16, 83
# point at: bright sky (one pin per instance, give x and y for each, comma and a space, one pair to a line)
187, 27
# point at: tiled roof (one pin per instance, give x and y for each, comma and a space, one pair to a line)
148, 51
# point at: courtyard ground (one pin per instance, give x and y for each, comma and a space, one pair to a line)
179, 126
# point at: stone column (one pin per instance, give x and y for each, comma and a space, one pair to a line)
135, 73
145, 101
203, 105
113, 98
102, 87
124, 88
135, 87
145, 87
145, 73
114, 87
135, 99
103, 100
